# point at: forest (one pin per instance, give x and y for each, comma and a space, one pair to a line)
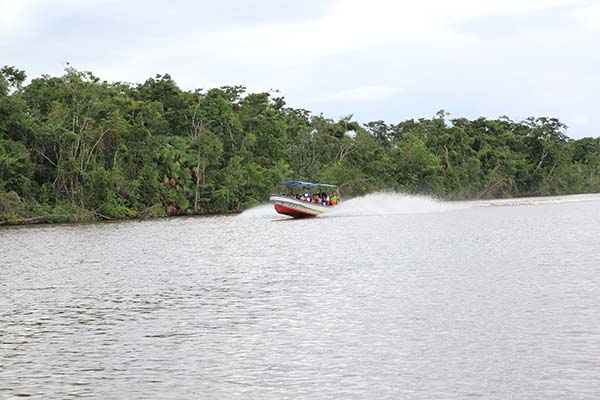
76, 148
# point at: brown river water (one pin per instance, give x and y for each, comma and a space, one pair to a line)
388, 297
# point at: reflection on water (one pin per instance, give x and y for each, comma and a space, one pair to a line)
391, 299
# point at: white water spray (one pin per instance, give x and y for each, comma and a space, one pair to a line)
390, 203
380, 203
263, 211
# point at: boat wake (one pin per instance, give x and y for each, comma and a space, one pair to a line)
380, 203
263, 211
389, 203
386, 203
535, 201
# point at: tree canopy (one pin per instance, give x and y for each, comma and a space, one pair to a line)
77, 148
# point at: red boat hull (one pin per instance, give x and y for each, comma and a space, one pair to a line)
292, 212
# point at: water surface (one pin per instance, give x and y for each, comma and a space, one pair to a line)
389, 297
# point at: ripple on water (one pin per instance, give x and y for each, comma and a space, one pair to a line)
416, 299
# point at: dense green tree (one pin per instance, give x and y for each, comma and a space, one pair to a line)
76, 148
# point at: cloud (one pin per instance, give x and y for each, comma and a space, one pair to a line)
471, 57
362, 94
25, 18
588, 17
348, 26
13, 17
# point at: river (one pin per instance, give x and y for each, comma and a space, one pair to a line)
388, 297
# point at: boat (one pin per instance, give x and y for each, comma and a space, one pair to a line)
300, 199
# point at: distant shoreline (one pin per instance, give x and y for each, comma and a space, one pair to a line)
75, 148
512, 201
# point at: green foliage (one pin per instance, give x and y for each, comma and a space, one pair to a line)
13, 209
16, 168
75, 148
64, 212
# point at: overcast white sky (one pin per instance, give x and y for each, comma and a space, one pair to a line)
376, 59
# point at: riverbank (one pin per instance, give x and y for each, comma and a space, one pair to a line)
14, 211
152, 149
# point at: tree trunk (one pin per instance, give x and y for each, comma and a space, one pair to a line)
448, 159
197, 196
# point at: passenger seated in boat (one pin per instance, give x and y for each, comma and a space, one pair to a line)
334, 199
321, 200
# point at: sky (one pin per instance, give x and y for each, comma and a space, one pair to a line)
377, 60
